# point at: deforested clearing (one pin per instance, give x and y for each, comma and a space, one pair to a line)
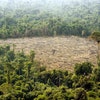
57, 52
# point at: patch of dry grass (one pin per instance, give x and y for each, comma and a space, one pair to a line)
57, 52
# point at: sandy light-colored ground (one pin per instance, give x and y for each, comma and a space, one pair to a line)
57, 52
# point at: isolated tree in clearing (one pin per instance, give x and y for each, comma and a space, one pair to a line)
96, 36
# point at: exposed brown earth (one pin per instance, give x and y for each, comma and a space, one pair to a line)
57, 52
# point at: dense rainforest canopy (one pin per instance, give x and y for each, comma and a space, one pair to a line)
48, 17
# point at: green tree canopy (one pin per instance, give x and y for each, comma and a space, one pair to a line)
83, 69
96, 36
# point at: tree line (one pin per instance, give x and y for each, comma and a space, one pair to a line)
28, 21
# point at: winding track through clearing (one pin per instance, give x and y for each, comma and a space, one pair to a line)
57, 52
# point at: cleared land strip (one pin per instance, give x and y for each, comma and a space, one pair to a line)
57, 52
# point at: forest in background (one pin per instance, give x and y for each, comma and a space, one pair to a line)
29, 18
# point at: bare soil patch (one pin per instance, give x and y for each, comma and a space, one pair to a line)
57, 52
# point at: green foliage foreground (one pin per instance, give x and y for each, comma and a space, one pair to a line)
23, 78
